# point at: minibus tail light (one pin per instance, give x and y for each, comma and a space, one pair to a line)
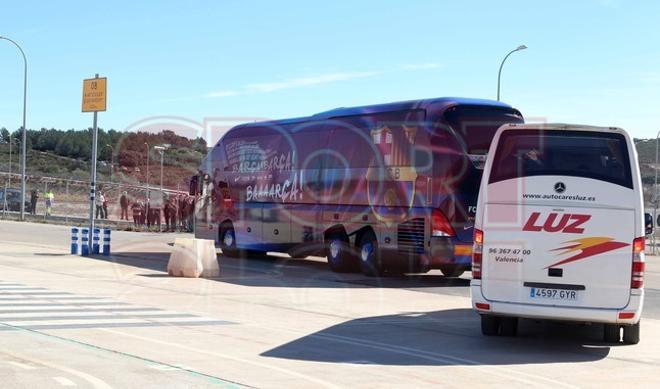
440, 226
477, 249
638, 265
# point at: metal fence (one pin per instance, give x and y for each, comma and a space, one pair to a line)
70, 203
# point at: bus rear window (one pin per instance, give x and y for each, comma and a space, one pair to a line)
476, 126
595, 155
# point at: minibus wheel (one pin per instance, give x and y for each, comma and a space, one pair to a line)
611, 333
228, 240
490, 325
370, 261
452, 270
631, 334
338, 252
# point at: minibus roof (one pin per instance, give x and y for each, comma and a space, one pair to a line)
561, 126
442, 102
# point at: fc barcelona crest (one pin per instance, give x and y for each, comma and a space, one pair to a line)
391, 183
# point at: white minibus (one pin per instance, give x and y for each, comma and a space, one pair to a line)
559, 230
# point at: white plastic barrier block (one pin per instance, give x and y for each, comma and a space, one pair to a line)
193, 258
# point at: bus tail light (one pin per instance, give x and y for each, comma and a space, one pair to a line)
477, 250
638, 265
440, 226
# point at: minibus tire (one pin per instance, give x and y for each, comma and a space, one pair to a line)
509, 326
631, 334
490, 325
452, 270
343, 261
369, 255
231, 250
611, 333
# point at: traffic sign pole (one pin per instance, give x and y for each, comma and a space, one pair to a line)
94, 100
92, 182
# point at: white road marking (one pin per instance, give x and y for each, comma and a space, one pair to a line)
94, 381
64, 381
21, 365
226, 356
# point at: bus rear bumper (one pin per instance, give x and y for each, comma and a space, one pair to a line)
445, 251
630, 314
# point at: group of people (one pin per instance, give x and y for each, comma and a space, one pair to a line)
177, 212
34, 199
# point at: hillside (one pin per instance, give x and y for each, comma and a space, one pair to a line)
122, 156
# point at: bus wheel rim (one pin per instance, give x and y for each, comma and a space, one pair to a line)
366, 251
229, 239
335, 248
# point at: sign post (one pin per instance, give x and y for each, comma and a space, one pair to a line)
94, 100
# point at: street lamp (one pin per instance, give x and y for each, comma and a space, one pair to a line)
161, 149
499, 74
23, 145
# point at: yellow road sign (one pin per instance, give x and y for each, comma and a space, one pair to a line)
94, 94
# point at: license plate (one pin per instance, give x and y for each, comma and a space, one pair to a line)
553, 294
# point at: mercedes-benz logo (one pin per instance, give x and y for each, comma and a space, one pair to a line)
560, 187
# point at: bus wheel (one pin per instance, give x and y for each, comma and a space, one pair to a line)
631, 334
490, 325
452, 270
370, 262
228, 241
338, 252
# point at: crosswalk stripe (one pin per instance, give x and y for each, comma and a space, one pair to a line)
36, 304
14, 298
66, 309
68, 326
42, 309
34, 293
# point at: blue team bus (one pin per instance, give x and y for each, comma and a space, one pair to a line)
385, 189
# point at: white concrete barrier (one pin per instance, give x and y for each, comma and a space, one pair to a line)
193, 258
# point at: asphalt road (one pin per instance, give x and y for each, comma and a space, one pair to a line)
274, 322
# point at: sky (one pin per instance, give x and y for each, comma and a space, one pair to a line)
589, 61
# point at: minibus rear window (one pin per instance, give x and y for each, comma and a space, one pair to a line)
588, 154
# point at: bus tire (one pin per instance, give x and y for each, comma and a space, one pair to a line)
338, 252
611, 333
370, 261
631, 334
452, 270
509, 326
490, 325
228, 240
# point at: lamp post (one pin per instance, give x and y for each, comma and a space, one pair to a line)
161, 149
499, 74
147, 144
24, 144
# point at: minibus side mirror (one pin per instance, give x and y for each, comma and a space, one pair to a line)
648, 224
